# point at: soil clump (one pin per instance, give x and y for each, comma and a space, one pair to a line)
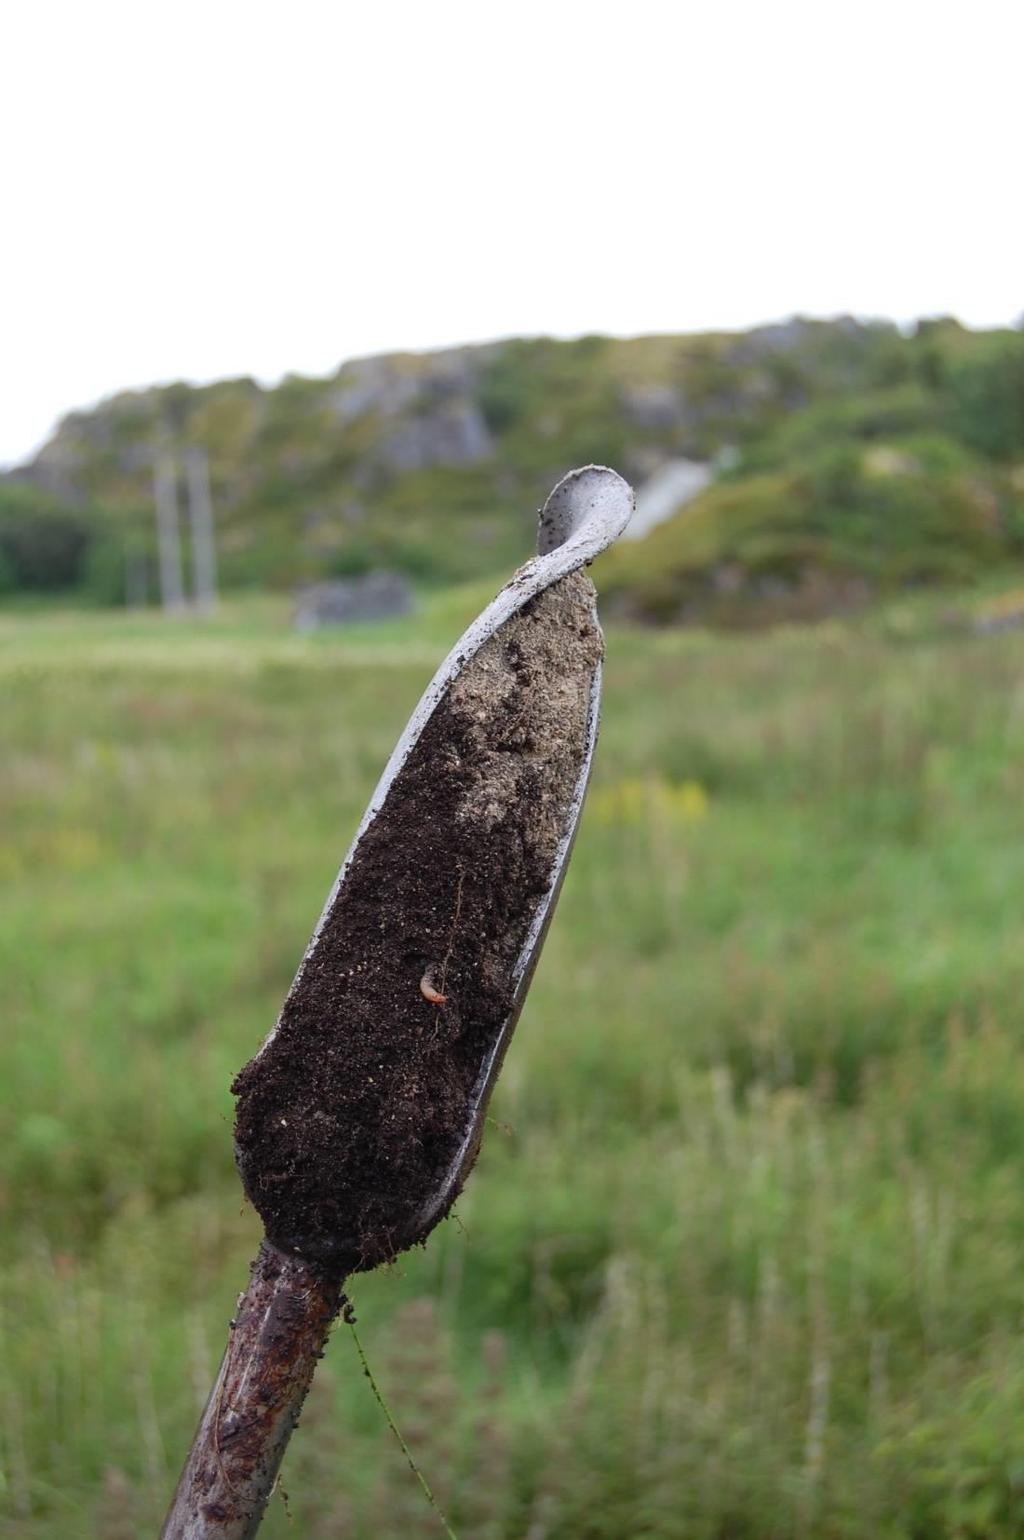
353, 1111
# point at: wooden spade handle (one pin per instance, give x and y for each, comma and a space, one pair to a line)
277, 1337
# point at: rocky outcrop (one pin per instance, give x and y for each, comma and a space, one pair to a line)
654, 407
430, 463
374, 596
454, 433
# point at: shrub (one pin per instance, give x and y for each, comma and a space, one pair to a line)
986, 386
43, 544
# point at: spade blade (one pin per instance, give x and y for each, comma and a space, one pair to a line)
361, 1115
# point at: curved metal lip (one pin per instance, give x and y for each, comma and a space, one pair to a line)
587, 510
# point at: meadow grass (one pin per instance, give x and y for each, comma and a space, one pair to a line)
742, 1255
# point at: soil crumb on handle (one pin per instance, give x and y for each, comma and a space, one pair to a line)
352, 1114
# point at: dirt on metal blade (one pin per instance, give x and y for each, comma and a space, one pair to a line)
352, 1113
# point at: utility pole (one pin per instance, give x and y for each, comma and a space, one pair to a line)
168, 533
135, 580
200, 512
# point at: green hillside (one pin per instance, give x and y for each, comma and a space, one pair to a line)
910, 473
851, 458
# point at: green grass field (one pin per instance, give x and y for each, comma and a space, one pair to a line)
743, 1256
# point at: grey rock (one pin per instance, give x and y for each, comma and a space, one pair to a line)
454, 433
767, 341
1007, 618
391, 384
372, 385
653, 406
375, 596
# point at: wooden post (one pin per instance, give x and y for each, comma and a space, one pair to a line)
200, 512
136, 582
168, 533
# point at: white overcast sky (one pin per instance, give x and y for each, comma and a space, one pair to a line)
193, 190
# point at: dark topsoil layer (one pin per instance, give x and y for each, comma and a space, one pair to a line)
352, 1113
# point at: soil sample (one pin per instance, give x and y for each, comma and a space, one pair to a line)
350, 1117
